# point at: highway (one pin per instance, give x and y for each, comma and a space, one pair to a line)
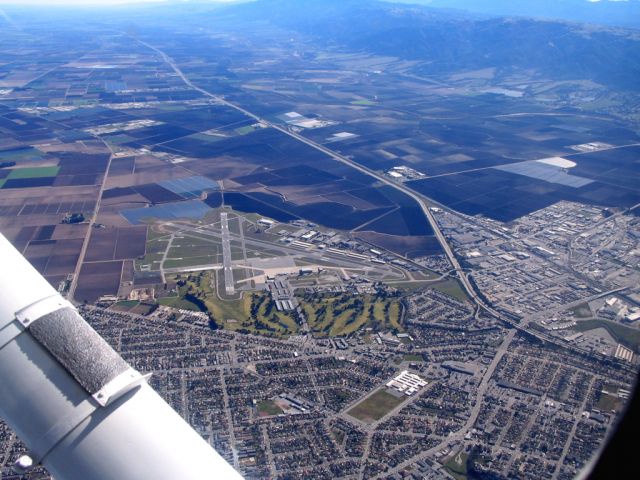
92, 221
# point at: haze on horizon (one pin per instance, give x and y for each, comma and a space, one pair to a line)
93, 2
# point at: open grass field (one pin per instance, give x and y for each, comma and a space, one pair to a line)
625, 335
342, 314
184, 251
157, 246
187, 250
425, 275
124, 306
191, 247
150, 261
456, 465
452, 288
226, 310
34, 172
413, 358
409, 287
268, 408
608, 402
196, 293
143, 308
154, 233
179, 303
376, 406
157, 243
191, 261
118, 139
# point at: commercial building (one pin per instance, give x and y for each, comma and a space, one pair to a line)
407, 383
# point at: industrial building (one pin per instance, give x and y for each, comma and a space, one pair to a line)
407, 383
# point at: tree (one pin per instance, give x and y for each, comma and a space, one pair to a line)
196, 301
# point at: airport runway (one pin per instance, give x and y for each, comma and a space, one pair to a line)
226, 255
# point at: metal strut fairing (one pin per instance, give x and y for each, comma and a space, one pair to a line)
83, 412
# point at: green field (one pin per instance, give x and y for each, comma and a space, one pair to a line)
34, 172
363, 102
193, 247
253, 313
153, 234
425, 275
184, 252
376, 406
143, 309
188, 251
245, 130
179, 303
409, 287
452, 288
413, 358
268, 408
256, 313
124, 306
456, 465
117, 139
190, 261
608, 402
152, 260
342, 314
193, 291
21, 154
627, 336
226, 310
262, 317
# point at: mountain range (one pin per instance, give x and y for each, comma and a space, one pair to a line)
448, 41
624, 13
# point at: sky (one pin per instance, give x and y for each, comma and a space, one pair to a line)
110, 2
84, 2
72, 2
